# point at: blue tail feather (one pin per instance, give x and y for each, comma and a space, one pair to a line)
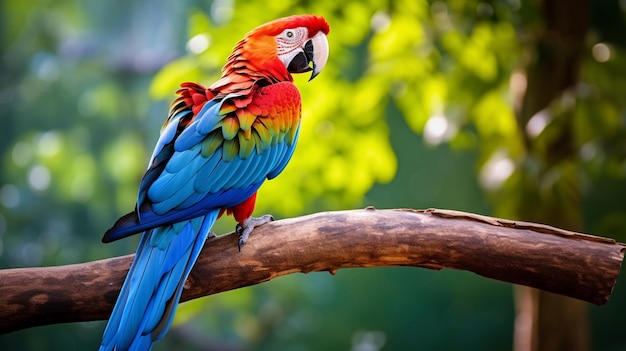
145, 307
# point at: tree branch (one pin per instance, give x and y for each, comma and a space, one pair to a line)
568, 263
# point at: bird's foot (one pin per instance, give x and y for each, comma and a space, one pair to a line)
211, 235
244, 229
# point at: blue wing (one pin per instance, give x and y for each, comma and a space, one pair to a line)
182, 183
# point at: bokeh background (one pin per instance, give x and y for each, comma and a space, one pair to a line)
505, 107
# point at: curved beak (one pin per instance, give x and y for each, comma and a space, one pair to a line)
316, 51
315, 54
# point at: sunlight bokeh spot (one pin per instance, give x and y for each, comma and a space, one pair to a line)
437, 129
222, 11
380, 21
370, 340
198, 43
601, 52
49, 143
538, 123
496, 171
39, 178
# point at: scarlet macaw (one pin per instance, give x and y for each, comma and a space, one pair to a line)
216, 148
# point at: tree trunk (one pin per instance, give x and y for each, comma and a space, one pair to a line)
546, 321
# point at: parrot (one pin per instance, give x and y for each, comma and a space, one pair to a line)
216, 148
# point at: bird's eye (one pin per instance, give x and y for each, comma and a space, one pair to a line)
289, 34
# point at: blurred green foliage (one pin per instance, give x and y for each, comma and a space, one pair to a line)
416, 108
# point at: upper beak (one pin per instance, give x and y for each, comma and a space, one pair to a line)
316, 51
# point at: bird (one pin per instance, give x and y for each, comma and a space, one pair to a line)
216, 148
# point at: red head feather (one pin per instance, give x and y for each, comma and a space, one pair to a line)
255, 57
314, 23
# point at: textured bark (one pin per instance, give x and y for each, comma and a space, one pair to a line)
573, 264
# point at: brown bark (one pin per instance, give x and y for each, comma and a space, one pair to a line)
573, 264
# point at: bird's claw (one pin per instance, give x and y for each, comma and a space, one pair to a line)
244, 229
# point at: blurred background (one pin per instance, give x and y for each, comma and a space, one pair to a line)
508, 108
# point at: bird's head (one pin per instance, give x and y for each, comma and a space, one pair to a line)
294, 44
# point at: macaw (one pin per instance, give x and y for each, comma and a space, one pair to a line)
216, 148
